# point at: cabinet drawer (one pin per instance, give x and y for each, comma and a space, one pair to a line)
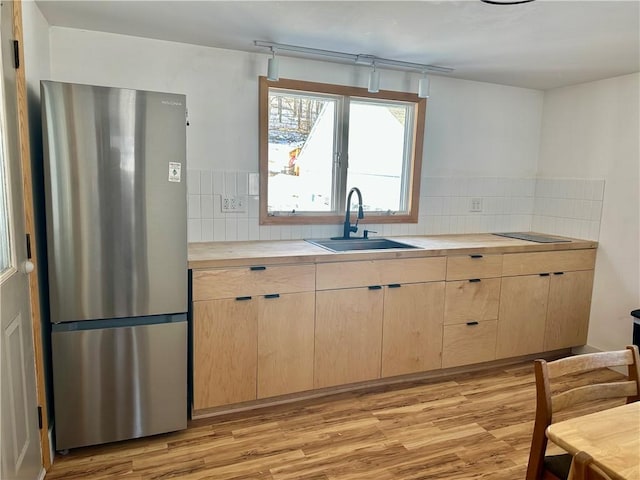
466, 344
245, 281
467, 300
331, 276
546, 262
464, 267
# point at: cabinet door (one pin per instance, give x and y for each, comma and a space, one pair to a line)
523, 311
569, 308
225, 336
285, 343
348, 337
412, 328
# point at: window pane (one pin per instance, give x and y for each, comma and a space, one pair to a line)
309, 129
5, 248
301, 139
377, 154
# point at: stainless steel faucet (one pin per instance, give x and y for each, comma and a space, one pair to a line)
348, 228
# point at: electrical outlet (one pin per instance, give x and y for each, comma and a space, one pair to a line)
476, 205
233, 204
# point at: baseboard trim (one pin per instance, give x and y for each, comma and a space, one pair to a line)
371, 385
585, 349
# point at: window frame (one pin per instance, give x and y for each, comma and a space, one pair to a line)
6, 202
306, 218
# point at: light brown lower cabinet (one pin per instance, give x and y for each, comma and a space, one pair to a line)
348, 337
546, 312
332, 329
522, 317
412, 328
225, 351
252, 347
569, 307
285, 344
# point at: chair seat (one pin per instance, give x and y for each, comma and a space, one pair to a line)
559, 465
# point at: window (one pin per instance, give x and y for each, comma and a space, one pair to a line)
317, 141
5, 238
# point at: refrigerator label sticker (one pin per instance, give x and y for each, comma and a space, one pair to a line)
174, 171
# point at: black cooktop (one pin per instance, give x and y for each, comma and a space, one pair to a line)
532, 238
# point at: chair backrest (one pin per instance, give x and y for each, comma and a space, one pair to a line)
547, 404
582, 468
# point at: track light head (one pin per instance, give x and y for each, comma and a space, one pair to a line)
423, 86
374, 80
272, 67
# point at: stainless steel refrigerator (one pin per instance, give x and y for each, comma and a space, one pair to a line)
116, 208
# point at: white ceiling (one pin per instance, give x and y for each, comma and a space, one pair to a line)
543, 44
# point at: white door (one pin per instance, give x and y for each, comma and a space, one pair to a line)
19, 436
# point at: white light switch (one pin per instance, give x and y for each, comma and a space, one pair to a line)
254, 184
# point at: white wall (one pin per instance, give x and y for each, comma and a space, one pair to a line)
472, 128
593, 130
481, 135
481, 130
36, 44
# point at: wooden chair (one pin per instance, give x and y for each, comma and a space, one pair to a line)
557, 467
582, 468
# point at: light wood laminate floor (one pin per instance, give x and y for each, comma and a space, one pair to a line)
470, 426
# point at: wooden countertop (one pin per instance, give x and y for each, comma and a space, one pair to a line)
229, 254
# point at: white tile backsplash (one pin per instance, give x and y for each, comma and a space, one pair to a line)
229, 186
206, 182
242, 229
219, 230
194, 230
193, 204
561, 206
569, 207
231, 229
207, 230
193, 182
242, 183
206, 206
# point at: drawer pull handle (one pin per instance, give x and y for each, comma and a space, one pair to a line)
472, 323
474, 280
394, 285
558, 273
475, 256
256, 268
375, 287
240, 299
272, 295
545, 274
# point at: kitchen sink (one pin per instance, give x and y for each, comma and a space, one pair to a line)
347, 245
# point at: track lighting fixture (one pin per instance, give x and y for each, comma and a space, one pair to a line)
272, 67
423, 86
374, 80
358, 59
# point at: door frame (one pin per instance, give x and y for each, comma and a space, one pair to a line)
30, 228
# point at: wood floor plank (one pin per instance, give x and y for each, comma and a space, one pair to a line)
472, 426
